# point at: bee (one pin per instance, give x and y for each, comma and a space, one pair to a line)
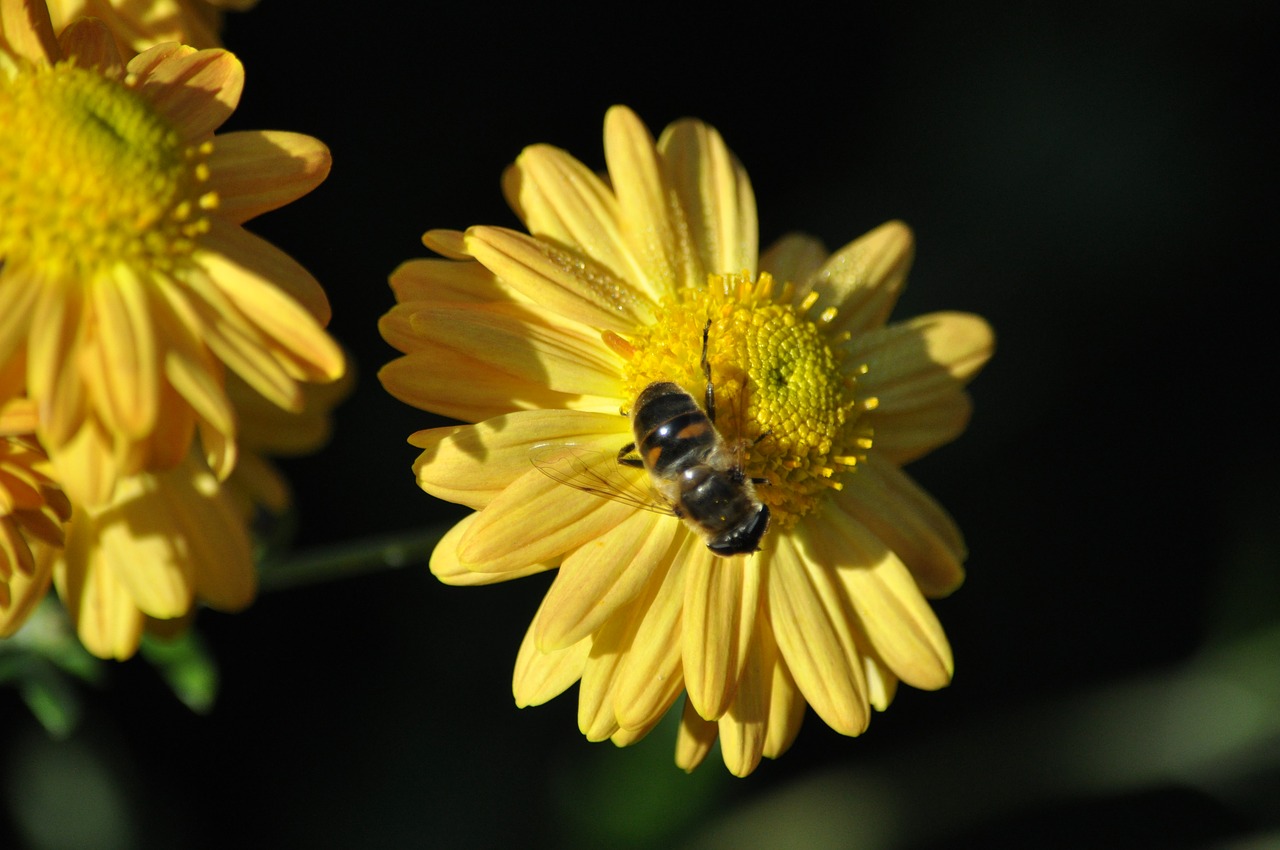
691, 467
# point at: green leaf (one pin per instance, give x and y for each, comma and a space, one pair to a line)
186, 666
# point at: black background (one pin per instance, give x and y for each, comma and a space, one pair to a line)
1094, 181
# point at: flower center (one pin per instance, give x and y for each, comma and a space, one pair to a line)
92, 176
783, 395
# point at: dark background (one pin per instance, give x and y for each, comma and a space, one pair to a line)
1097, 182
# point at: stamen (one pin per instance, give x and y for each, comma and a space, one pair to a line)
774, 371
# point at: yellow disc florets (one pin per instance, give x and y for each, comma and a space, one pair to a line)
783, 393
92, 176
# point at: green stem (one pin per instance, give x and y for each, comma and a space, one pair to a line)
372, 554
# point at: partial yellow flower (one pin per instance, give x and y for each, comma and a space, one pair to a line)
127, 283
33, 514
140, 24
542, 339
164, 541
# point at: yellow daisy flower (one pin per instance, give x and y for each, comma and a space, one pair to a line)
165, 541
127, 283
33, 514
139, 24
543, 339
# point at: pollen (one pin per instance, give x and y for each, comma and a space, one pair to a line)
92, 176
785, 394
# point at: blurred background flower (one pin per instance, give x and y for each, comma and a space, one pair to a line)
1095, 180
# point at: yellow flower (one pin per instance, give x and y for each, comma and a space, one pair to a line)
139, 24
542, 339
127, 283
33, 513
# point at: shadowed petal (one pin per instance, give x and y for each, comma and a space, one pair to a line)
864, 278
910, 522
196, 90
918, 363
255, 172
524, 341
695, 738
795, 259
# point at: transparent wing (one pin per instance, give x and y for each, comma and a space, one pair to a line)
598, 472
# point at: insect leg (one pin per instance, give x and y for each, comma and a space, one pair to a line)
710, 401
624, 460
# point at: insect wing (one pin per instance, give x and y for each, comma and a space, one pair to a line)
597, 472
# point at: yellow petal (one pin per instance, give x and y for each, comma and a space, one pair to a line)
472, 464
216, 538
720, 602
53, 377
795, 258
814, 633
892, 613
651, 679
902, 437
643, 201
108, 622
563, 202
526, 343
18, 296
89, 40
127, 368
25, 589
255, 172
597, 718
25, 29
139, 548
294, 332
242, 255
536, 519
695, 738
571, 285
602, 576
864, 278
786, 705
445, 281
541, 676
196, 90
716, 196
86, 466
743, 728
453, 385
446, 566
881, 683
916, 364
898, 511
